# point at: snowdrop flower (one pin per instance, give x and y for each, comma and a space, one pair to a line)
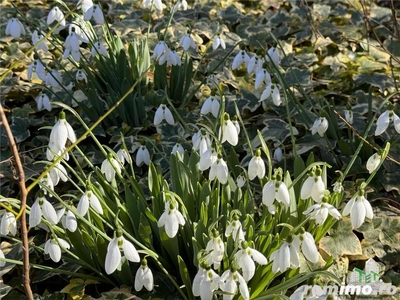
373, 162
56, 15
42, 207
266, 93
229, 131
358, 207
275, 189
278, 154
36, 37
43, 101
109, 166
89, 198
80, 27
57, 173
84, 5
53, 78
8, 224
262, 75
245, 259
205, 282
219, 170
276, 96
71, 46
218, 41
156, 3
384, 119
211, 105
201, 141
123, 156
255, 63
114, 248
2, 263
240, 181
81, 76
182, 5
313, 186
159, 49
235, 229
319, 211
320, 126
142, 156
215, 248
68, 219
256, 166
178, 149
241, 58
285, 257
173, 58
98, 48
95, 13
46, 183
163, 113
229, 284
348, 114
15, 28
208, 158
36, 67
187, 42
52, 247
171, 218
306, 243
144, 277
61, 132
272, 55
338, 186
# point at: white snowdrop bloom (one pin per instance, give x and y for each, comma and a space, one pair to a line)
144, 277
57, 173
61, 132
228, 131
142, 156
81, 29
211, 105
173, 58
89, 198
52, 247
320, 126
235, 229
208, 158
287, 256
46, 183
42, 207
84, 5
36, 67
245, 259
215, 248
171, 219
240, 181
205, 283
384, 120
348, 115
373, 162
256, 166
53, 78
109, 167
241, 58
219, 170
182, 5
163, 113
338, 186
229, 284
187, 42
201, 141
68, 219
178, 149
319, 212
313, 186
114, 248
236, 123
278, 155
43, 101
95, 13
157, 4
36, 37
306, 243
255, 64
275, 189
81, 76
273, 55
359, 208
2, 263
276, 96
8, 224
266, 93
56, 15
262, 75
98, 48
218, 41
71, 46
123, 156
15, 28
198, 278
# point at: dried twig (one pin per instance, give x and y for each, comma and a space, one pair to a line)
24, 193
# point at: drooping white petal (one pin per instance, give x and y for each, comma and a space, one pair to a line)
49, 213
35, 214
2, 263
382, 123
308, 247
130, 251
113, 257
306, 188
357, 214
268, 193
